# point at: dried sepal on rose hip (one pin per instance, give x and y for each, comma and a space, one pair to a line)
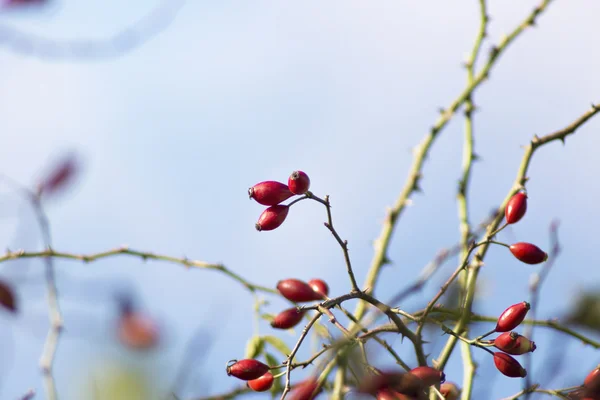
261, 384
272, 218
269, 193
528, 253
297, 291
429, 376
299, 182
287, 319
247, 370
450, 391
516, 208
512, 317
513, 343
509, 366
7, 297
319, 286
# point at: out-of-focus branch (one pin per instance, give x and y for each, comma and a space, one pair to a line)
536, 282
119, 44
54, 312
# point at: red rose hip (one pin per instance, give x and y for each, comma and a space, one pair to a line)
528, 253
297, 291
272, 218
429, 376
513, 343
592, 381
298, 182
509, 366
450, 391
261, 384
319, 286
512, 317
516, 207
401, 382
305, 390
247, 370
387, 394
269, 193
287, 319
506, 341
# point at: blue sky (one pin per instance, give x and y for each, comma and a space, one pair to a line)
173, 134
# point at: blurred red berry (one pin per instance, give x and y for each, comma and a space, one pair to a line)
17, 3
509, 366
298, 182
405, 383
59, 176
272, 218
319, 286
7, 297
450, 391
287, 319
512, 317
516, 207
528, 253
429, 376
269, 193
261, 384
305, 390
247, 370
138, 331
297, 291
386, 394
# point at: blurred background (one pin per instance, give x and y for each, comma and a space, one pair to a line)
171, 132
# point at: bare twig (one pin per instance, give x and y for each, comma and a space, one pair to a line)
343, 243
293, 354
143, 255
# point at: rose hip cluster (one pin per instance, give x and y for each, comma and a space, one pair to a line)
524, 252
259, 379
509, 342
299, 292
257, 373
272, 193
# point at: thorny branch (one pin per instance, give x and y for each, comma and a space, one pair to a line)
520, 180
382, 243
